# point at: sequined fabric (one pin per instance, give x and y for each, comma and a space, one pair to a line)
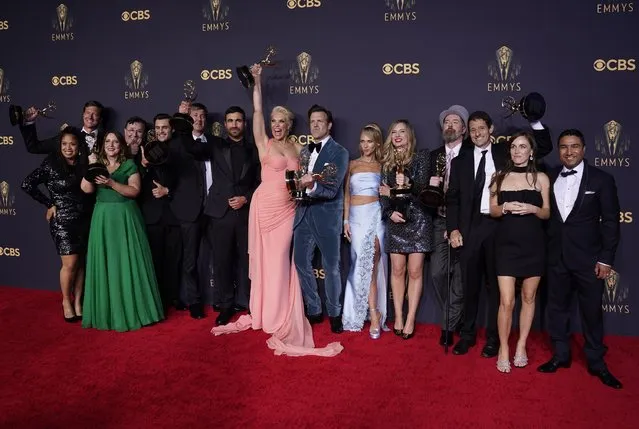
70, 227
416, 235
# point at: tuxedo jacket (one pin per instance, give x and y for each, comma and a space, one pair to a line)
590, 233
461, 185
224, 185
49, 145
326, 205
154, 209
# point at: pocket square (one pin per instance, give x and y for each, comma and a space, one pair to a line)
590, 193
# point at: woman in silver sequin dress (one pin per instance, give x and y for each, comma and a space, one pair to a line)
68, 214
409, 227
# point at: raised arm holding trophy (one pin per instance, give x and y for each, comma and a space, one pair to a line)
246, 75
17, 114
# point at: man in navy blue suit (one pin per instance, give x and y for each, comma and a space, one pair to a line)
583, 234
318, 221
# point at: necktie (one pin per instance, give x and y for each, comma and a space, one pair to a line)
315, 146
568, 173
480, 179
449, 158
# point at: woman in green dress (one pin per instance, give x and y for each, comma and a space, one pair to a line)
121, 291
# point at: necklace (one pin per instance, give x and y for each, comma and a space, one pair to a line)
523, 169
367, 162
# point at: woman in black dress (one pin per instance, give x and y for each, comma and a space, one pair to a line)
68, 214
520, 196
409, 228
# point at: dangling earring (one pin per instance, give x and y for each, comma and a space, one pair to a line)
531, 157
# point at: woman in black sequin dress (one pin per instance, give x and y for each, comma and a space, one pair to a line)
68, 214
409, 227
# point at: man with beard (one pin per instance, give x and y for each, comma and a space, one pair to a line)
453, 122
235, 174
472, 230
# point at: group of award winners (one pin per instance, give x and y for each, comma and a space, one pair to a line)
128, 216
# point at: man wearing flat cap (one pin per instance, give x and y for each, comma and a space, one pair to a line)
454, 123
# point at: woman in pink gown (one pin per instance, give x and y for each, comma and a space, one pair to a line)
276, 304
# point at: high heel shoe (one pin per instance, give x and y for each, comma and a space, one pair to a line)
375, 333
70, 319
408, 336
503, 366
520, 361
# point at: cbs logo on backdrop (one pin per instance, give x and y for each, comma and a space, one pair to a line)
303, 4
6, 140
615, 64
401, 69
64, 80
10, 251
625, 217
216, 74
136, 15
4, 25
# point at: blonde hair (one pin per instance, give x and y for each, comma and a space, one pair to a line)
375, 133
389, 162
290, 116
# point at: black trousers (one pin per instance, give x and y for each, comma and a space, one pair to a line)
562, 282
190, 292
228, 239
477, 260
166, 250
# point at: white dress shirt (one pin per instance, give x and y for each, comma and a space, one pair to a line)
451, 153
313, 159
93, 141
567, 189
484, 207
207, 163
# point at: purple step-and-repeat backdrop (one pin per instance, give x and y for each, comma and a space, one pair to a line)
367, 60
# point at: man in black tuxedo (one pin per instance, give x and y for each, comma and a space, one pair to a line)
235, 171
583, 234
471, 228
91, 119
163, 228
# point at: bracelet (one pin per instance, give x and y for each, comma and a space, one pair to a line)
345, 221
503, 209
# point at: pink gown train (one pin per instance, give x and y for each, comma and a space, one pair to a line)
276, 302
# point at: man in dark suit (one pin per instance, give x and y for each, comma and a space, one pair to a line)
163, 228
454, 123
471, 228
91, 120
134, 135
583, 234
318, 222
235, 174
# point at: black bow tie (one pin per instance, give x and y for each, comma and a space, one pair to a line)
315, 146
568, 173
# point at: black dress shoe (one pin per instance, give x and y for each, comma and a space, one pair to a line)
240, 307
314, 319
225, 316
553, 365
196, 310
606, 378
462, 347
216, 308
490, 350
179, 306
447, 337
336, 325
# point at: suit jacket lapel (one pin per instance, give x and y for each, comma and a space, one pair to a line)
323, 156
582, 190
227, 164
248, 159
554, 207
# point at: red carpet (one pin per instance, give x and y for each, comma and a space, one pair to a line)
176, 374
